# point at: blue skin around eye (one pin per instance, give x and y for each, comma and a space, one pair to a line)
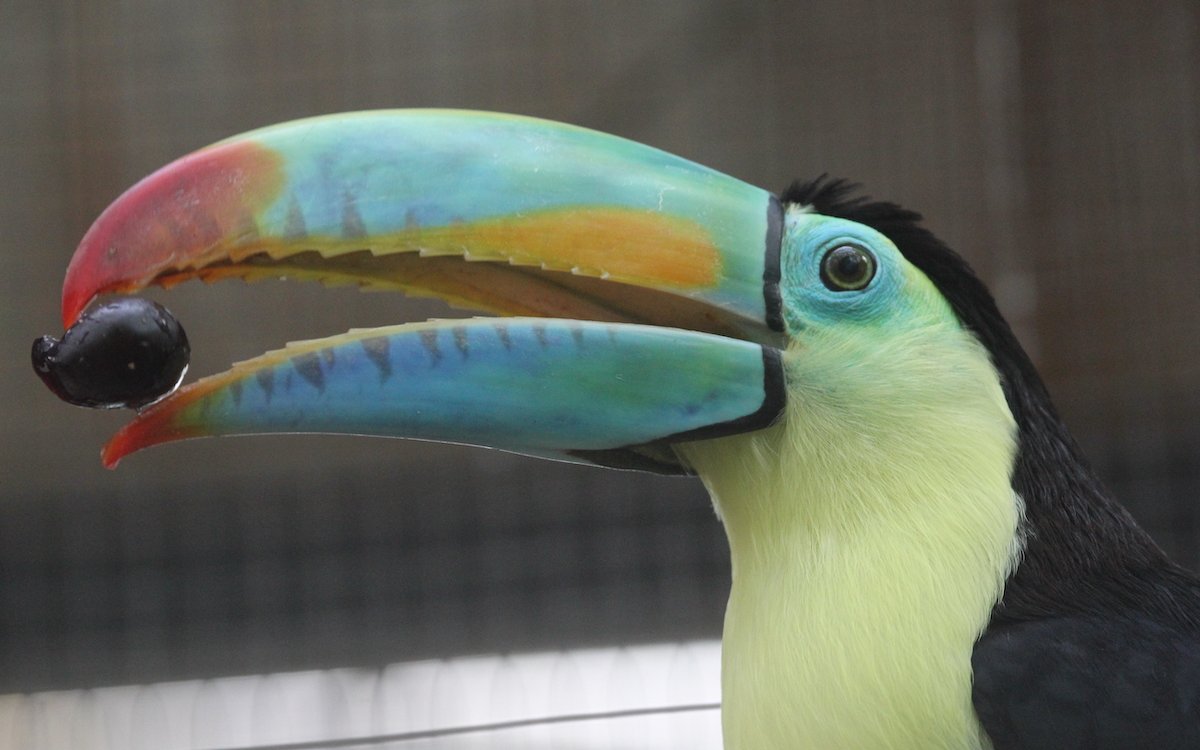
807, 301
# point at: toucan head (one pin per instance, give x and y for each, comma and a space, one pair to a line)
638, 302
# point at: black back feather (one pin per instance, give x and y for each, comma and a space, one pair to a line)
1084, 554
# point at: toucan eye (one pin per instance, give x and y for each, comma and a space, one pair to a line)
847, 268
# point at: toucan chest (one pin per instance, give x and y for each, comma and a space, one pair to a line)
860, 651
863, 573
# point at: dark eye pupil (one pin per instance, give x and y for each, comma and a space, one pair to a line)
847, 268
849, 265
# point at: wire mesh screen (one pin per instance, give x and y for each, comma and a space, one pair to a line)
216, 579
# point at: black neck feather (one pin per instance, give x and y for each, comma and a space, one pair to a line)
1083, 552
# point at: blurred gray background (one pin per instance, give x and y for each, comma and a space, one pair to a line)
1056, 145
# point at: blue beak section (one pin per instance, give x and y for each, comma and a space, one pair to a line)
614, 394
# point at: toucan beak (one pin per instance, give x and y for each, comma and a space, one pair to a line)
646, 286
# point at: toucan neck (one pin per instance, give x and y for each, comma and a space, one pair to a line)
867, 557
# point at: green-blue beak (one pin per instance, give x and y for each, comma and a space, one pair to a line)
651, 284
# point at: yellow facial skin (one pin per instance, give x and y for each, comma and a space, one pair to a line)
872, 528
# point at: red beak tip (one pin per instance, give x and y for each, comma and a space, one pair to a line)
110, 456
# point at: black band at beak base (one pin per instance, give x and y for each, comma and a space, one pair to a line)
772, 297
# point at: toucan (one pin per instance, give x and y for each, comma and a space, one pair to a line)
921, 556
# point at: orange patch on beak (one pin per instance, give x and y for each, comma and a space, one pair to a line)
622, 244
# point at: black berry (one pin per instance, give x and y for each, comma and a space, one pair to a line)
126, 353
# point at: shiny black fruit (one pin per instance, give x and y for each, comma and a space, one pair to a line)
126, 353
